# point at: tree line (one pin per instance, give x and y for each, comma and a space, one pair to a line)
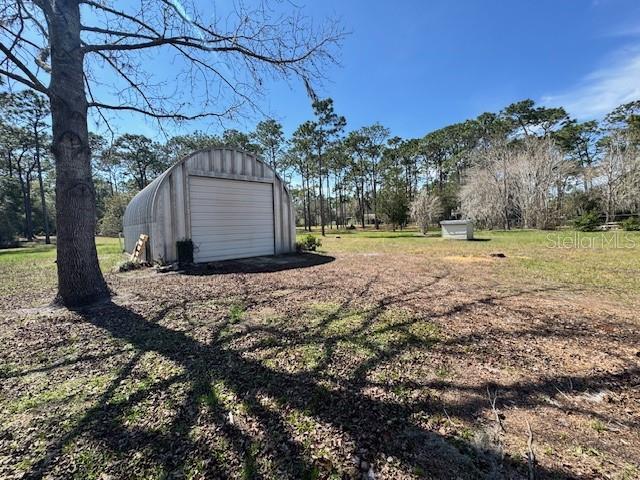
25, 167
525, 166
121, 165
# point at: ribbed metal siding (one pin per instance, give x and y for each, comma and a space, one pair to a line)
231, 218
163, 211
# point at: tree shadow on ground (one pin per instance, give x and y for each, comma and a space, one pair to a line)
377, 427
268, 264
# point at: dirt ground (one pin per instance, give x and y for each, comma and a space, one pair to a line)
357, 365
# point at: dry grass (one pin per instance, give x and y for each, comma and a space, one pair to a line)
380, 362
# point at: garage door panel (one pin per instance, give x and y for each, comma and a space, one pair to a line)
205, 192
214, 199
223, 203
225, 210
222, 211
218, 252
234, 231
250, 252
230, 218
210, 197
201, 185
232, 256
233, 237
251, 219
227, 198
231, 224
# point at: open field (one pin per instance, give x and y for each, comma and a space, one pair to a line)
389, 356
605, 264
29, 274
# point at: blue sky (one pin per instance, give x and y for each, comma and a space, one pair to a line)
416, 66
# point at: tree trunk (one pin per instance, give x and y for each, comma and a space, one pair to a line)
343, 214
308, 199
80, 280
141, 180
329, 213
273, 160
609, 203
336, 200
304, 203
28, 210
307, 206
43, 202
505, 186
320, 192
363, 204
25, 189
375, 205
341, 205
407, 179
316, 213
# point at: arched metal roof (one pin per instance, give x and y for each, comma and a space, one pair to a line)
141, 208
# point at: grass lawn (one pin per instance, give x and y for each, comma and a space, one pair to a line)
30, 272
389, 355
605, 263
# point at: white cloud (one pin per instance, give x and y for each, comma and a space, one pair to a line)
630, 30
617, 82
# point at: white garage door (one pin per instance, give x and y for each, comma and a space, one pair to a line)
230, 219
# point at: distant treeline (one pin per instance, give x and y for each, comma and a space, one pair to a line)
525, 166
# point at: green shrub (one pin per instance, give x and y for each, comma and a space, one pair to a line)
111, 222
631, 224
308, 243
588, 222
236, 312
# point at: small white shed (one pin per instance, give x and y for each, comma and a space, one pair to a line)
457, 229
229, 203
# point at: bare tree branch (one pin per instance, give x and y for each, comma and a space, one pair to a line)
182, 41
121, 14
221, 64
33, 80
22, 80
174, 115
104, 118
116, 33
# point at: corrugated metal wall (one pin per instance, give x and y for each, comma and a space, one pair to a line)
162, 209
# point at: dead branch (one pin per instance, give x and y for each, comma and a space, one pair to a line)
492, 401
449, 418
531, 457
563, 394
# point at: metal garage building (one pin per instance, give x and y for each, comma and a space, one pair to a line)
228, 202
